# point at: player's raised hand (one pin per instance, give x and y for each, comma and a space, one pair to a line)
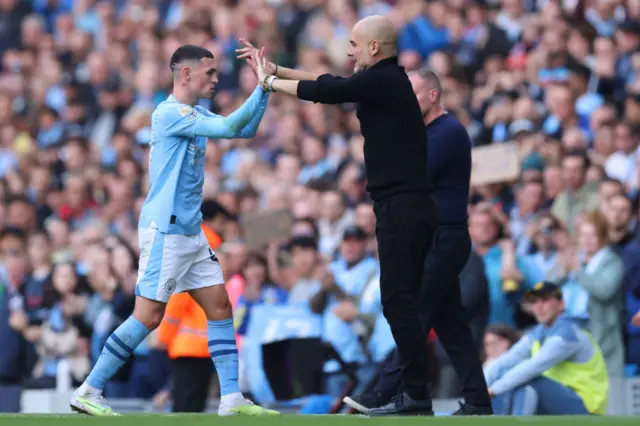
247, 53
262, 66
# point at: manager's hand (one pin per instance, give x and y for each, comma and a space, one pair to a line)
248, 51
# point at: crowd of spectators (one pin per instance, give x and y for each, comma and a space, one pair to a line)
79, 80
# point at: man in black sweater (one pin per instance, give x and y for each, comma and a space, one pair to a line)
395, 153
450, 174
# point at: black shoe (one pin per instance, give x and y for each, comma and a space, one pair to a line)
472, 410
404, 405
363, 403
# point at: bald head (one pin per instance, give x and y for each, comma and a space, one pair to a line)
378, 28
373, 38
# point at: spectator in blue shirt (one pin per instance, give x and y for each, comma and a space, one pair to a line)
258, 290
348, 303
505, 271
556, 369
545, 256
426, 33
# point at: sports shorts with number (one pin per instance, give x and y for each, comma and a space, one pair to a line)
174, 263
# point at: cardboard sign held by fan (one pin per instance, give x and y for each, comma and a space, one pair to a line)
263, 227
495, 163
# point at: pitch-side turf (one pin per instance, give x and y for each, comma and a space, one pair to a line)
296, 420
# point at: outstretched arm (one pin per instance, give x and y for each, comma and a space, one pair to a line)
291, 74
327, 88
185, 121
309, 86
249, 131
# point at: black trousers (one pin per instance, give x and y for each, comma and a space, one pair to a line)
441, 309
192, 377
405, 224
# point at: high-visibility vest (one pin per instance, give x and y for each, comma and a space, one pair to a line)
184, 326
590, 380
212, 237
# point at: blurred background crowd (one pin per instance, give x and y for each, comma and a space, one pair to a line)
79, 80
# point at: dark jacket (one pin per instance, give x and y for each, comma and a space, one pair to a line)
474, 289
395, 148
450, 168
13, 355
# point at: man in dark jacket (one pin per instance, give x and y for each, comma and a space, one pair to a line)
13, 355
395, 152
443, 310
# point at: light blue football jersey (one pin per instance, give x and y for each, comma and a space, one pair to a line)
176, 159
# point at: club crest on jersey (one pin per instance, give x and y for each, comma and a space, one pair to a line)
170, 285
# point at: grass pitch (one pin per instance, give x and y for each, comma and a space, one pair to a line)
295, 420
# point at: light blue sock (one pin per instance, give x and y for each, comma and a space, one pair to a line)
116, 351
224, 353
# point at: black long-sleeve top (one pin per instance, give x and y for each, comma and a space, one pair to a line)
395, 148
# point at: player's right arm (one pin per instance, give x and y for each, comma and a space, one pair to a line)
291, 74
183, 120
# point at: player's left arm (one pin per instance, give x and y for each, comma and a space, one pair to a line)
250, 130
254, 107
183, 120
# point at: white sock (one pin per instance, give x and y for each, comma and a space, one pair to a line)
232, 399
85, 389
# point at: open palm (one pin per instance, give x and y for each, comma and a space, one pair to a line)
249, 52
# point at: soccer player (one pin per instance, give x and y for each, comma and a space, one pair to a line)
175, 256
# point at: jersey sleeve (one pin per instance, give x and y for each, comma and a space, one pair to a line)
184, 121
249, 131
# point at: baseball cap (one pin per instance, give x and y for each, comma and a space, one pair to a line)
354, 232
544, 289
